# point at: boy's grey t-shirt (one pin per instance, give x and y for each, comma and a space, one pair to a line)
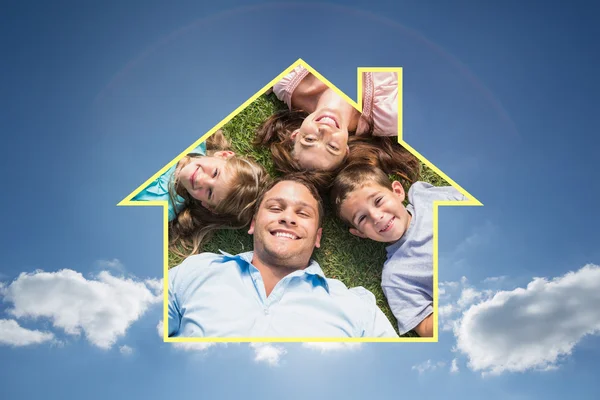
407, 277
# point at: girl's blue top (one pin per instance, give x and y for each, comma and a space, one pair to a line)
159, 189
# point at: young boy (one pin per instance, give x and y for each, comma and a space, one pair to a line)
371, 205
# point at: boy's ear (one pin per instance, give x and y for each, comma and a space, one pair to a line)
398, 190
251, 229
224, 154
358, 233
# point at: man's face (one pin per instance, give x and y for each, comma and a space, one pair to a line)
377, 213
286, 226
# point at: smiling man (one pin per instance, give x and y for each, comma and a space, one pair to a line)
275, 290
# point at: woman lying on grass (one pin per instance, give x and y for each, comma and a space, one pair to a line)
208, 189
313, 134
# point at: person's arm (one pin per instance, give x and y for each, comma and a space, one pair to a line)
173, 309
409, 303
425, 327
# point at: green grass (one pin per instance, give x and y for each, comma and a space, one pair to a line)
354, 261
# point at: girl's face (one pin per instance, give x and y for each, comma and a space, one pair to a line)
206, 179
321, 142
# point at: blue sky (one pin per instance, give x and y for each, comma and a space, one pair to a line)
95, 99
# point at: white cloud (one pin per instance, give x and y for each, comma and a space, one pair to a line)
102, 309
454, 367
447, 289
495, 279
185, 346
428, 366
160, 328
113, 264
460, 295
446, 310
450, 284
324, 347
267, 352
12, 334
467, 297
156, 285
531, 328
126, 350
193, 346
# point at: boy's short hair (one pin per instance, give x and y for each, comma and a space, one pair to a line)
298, 178
353, 178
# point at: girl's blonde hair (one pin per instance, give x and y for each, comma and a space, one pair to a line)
194, 224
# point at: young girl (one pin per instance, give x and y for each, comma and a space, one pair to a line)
208, 189
313, 134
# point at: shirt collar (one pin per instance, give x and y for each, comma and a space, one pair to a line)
313, 269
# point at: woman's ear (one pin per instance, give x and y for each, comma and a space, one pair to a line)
398, 190
294, 134
358, 233
224, 154
207, 206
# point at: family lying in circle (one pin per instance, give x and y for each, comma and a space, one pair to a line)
323, 148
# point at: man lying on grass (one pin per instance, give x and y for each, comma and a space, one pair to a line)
275, 290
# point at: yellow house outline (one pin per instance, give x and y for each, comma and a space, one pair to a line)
472, 201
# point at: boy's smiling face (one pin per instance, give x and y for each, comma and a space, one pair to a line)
376, 212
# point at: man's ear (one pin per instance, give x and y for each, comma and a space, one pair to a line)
251, 229
398, 190
318, 241
358, 233
224, 154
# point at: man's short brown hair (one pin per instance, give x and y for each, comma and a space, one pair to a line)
298, 178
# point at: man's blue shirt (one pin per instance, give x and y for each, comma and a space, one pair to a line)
221, 295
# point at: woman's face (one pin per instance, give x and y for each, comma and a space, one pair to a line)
206, 179
321, 142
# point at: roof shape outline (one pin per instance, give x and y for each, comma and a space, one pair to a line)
471, 201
